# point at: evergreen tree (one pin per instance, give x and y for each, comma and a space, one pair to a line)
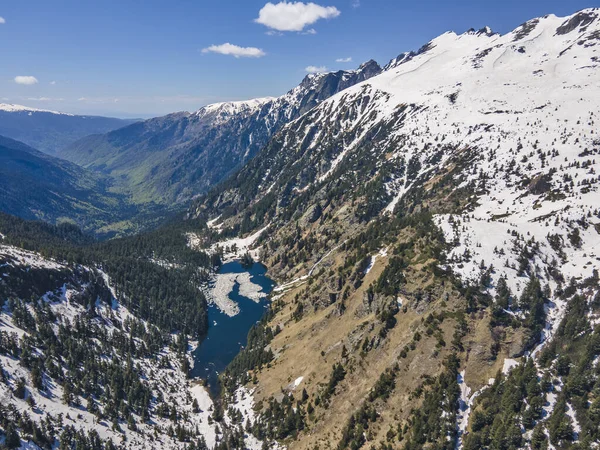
12, 439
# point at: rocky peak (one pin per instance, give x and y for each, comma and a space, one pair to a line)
371, 67
400, 59
366, 70
580, 20
485, 31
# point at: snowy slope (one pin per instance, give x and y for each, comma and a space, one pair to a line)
517, 108
505, 125
166, 380
528, 98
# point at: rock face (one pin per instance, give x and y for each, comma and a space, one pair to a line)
540, 184
580, 20
311, 215
372, 304
176, 157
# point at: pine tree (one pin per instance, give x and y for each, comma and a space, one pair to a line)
503, 293
12, 439
304, 395
559, 424
131, 423
539, 441
20, 390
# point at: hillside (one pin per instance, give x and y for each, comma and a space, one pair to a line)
34, 185
97, 341
176, 157
78, 369
51, 131
435, 231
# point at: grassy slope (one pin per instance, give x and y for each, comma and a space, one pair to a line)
38, 186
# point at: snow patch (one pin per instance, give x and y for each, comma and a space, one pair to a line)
508, 365
232, 248
382, 253
217, 292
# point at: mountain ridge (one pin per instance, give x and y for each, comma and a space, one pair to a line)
50, 131
176, 157
451, 198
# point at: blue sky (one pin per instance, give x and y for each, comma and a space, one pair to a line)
143, 58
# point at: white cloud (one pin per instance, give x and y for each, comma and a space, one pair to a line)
45, 99
344, 60
98, 100
53, 83
274, 33
294, 16
235, 50
315, 69
2, 20
310, 31
26, 79
355, 3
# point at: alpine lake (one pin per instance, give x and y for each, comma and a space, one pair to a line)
227, 335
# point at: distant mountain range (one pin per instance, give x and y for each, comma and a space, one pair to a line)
34, 185
176, 157
50, 131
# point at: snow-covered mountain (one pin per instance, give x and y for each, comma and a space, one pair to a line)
50, 131
181, 155
463, 179
10, 107
516, 111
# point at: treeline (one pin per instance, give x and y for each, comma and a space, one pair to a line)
49, 433
279, 419
356, 432
512, 400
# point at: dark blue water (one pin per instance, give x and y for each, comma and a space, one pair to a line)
228, 336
